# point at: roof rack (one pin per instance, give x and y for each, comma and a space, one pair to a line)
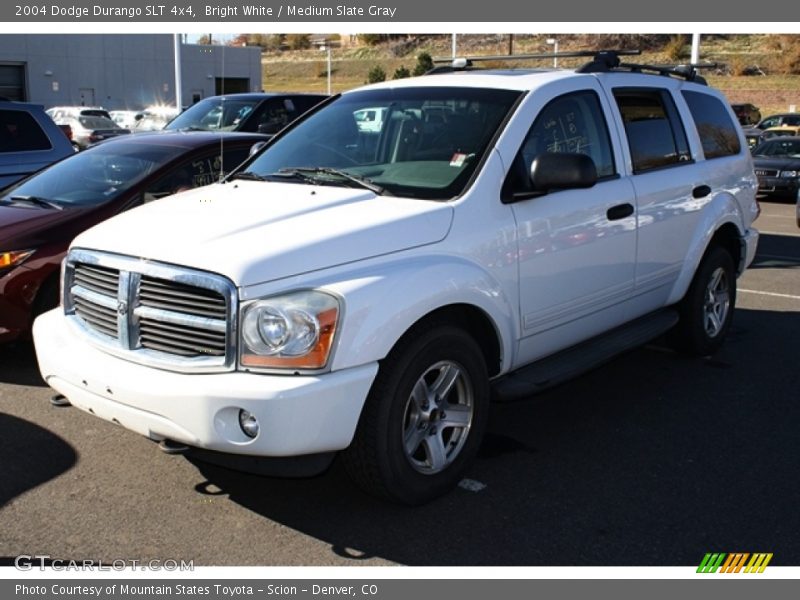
603, 61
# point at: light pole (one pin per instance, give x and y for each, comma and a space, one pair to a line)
327, 48
554, 43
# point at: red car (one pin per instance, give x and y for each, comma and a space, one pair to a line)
40, 215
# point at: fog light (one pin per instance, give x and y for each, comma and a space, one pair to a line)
248, 423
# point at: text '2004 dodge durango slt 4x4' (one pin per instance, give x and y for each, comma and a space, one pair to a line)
368, 291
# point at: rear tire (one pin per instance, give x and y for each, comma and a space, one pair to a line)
706, 312
424, 418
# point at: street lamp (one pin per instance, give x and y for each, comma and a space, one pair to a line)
554, 43
327, 48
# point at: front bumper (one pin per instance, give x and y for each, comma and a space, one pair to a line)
298, 415
778, 186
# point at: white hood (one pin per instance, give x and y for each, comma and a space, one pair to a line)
254, 232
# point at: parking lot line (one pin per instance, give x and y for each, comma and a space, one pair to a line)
776, 295
765, 232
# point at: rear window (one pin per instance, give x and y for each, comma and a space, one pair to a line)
97, 123
718, 134
19, 132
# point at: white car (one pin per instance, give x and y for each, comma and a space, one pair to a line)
370, 295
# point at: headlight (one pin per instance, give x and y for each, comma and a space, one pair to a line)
789, 174
294, 331
13, 258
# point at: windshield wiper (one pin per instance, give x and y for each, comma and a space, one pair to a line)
364, 182
43, 202
249, 175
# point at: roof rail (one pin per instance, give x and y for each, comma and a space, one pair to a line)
603, 61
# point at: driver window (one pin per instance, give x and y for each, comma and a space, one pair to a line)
573, 123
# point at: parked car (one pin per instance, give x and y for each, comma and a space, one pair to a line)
29, 141
777, 166
88, 130
753, 136
155, 118
40, 215
780, 131
746, 113
125, 118
369, 293
258, 112
59, 113
778, 120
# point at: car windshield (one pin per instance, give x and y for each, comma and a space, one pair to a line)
95, 122
790, 148
213, 114
423, 142
93, 176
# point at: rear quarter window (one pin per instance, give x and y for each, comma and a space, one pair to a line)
716, 129
19, 132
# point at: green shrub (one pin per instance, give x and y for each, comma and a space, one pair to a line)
376, 75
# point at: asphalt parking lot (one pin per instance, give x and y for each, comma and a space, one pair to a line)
653, 459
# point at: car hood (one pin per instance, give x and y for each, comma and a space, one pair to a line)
32, 226
780, 163
254, 232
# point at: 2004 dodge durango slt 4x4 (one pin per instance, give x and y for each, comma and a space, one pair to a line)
370, 291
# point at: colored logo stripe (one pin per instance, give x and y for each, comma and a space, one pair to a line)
711, 563
758, 563
734, 562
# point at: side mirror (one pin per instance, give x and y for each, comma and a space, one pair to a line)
255, 148
552, 171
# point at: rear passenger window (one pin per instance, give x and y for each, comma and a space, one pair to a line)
19, 132
654, 130
715, 127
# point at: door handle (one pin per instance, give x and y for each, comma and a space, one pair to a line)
620, 211
701, 191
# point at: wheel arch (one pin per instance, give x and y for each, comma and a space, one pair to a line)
720, 226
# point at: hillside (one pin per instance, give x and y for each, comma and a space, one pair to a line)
756, 68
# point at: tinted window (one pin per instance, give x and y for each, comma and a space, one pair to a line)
275, 114
573, 123
786, 147
220, 112
718, 134
95, 176
19, 132
197, 172
95, 122
654, 130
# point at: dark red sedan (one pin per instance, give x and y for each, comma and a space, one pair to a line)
40, 215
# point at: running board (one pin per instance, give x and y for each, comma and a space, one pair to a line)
574, 361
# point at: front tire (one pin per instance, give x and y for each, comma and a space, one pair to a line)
424, 418
706, 312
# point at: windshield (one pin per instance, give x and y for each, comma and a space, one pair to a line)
789, 148
214, 114
419, 142
93, 176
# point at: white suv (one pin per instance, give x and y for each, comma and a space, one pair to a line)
370, 292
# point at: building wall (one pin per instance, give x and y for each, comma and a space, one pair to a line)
119, 71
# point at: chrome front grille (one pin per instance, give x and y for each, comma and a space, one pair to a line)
767, 172
157, 314
180, 319
94, 296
